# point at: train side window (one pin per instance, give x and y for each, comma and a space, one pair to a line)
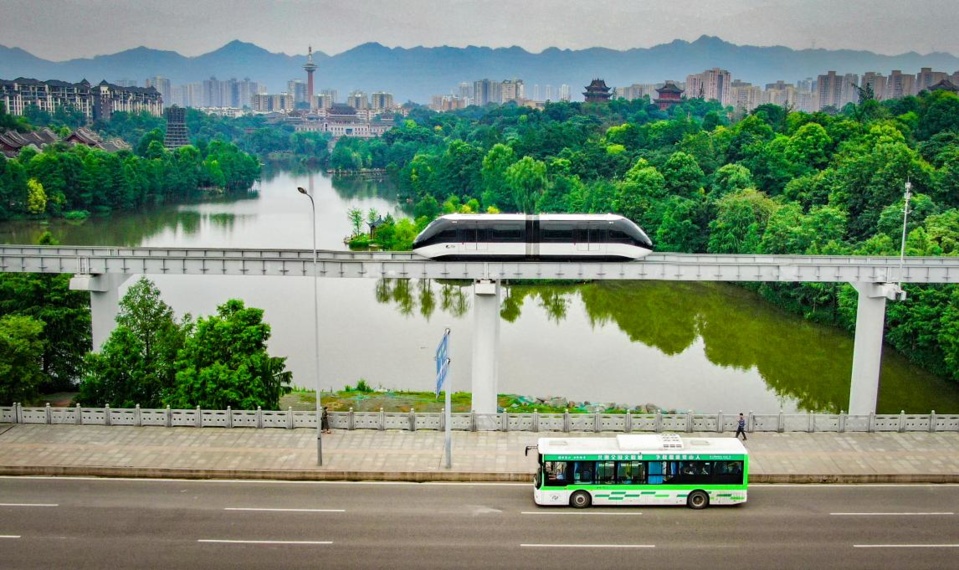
507, 233
557, 233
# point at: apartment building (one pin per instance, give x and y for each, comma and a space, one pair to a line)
95, 102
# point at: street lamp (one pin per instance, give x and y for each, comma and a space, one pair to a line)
316, 337
905, 216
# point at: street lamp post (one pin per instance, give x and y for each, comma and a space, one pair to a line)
316, 337
905, 216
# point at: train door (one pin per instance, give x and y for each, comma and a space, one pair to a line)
474, 239
590, 239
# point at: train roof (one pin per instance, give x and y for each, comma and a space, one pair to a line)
640, 443
542, 217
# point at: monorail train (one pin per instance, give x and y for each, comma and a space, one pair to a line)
543, 236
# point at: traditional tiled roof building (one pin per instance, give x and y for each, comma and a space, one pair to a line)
669, 95
597, 92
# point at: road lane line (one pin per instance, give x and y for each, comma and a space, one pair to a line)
905, 546
306, 542
278, 510
568, 513
9, 536
588, 545
29, 505
930, 514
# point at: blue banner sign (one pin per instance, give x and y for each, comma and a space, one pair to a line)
441, 376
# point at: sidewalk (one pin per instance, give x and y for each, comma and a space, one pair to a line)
241, 453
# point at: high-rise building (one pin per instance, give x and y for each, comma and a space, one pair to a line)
829, 90
875, 82
163, 85
358, 100
711, 85
381, 101
899, 85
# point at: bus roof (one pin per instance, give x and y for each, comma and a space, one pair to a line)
644, 443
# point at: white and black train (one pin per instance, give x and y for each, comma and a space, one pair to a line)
531, 237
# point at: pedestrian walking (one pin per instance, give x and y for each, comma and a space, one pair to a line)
741, 427
325, 421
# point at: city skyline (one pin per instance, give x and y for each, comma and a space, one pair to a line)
61, 30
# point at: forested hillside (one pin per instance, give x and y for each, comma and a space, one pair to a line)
776, 182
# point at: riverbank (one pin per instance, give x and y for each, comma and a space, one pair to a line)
368, 400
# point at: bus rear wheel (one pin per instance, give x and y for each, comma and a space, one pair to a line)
697, 500
580, 500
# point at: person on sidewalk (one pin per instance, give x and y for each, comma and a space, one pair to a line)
741, 427
325, 421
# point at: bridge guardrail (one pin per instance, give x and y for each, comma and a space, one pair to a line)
471, 421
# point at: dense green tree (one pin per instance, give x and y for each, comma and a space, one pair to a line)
136, 365
496, 190
740, 222
527, 178
21, 352
224, 362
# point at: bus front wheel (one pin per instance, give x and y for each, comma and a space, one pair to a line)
697, 500
580, 500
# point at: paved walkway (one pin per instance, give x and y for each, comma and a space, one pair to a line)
246, 453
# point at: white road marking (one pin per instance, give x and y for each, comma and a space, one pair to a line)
574, 513
9, 536
29, 505
588, 545
308, 542
285, 510
906, 546
931, 514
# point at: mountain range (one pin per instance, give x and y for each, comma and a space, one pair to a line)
418, 73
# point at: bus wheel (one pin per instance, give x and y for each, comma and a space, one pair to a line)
697, 500
580, 500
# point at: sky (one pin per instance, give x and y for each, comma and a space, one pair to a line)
60, 30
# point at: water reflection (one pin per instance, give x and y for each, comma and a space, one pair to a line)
806, 366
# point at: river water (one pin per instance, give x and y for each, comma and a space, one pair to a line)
687, 346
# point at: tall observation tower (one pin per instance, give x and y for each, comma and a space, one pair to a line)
310, 67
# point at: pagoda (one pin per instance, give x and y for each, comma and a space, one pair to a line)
669, 96
597, 92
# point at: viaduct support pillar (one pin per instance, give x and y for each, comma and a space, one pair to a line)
104, 302
486, 307
867, 352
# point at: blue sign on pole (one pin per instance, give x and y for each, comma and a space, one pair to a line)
441, 350
441, 376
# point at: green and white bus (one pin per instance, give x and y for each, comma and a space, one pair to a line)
648, 469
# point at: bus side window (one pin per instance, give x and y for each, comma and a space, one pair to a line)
630, 473
656, 469
583, 471
729, 472
606, 472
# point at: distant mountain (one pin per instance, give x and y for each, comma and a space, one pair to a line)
418, 73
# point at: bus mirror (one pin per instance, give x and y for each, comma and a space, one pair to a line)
528, 447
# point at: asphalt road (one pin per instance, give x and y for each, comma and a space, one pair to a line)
106, 523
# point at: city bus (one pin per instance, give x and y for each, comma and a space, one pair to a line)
645, 469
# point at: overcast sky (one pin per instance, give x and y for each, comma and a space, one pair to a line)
67, 29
